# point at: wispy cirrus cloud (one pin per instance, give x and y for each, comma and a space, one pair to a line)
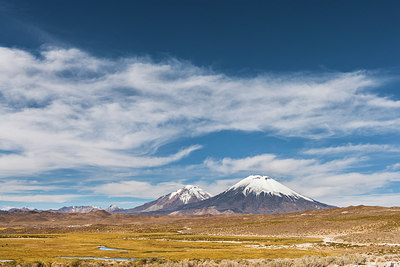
273, 165
39, 198
23, 186
350, 148
137, 189
331, 185
65, 108
31, 162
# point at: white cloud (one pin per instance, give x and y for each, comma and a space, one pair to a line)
19, 186
137, 189
350, 148
65, 108
31, 162
395, 166
271, 164
332, 184
384, 200
39, 198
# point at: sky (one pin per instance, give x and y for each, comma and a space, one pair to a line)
105, 102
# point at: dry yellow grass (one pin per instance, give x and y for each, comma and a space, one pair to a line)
29, 237
166, 245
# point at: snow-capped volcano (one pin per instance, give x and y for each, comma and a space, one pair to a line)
257, 184
255, 194
172, 201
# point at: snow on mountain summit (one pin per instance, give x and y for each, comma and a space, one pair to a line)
257, 184
188, 192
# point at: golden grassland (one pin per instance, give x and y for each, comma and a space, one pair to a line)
172, 246
44, 237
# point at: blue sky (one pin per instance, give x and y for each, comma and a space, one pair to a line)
119, 103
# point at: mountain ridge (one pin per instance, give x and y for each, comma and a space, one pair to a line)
255, 194
186, 195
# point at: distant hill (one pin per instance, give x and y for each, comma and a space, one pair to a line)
113, 209
78, 209
22, 209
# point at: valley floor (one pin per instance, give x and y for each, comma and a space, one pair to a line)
335, 237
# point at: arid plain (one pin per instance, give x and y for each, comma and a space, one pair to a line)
353, 235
